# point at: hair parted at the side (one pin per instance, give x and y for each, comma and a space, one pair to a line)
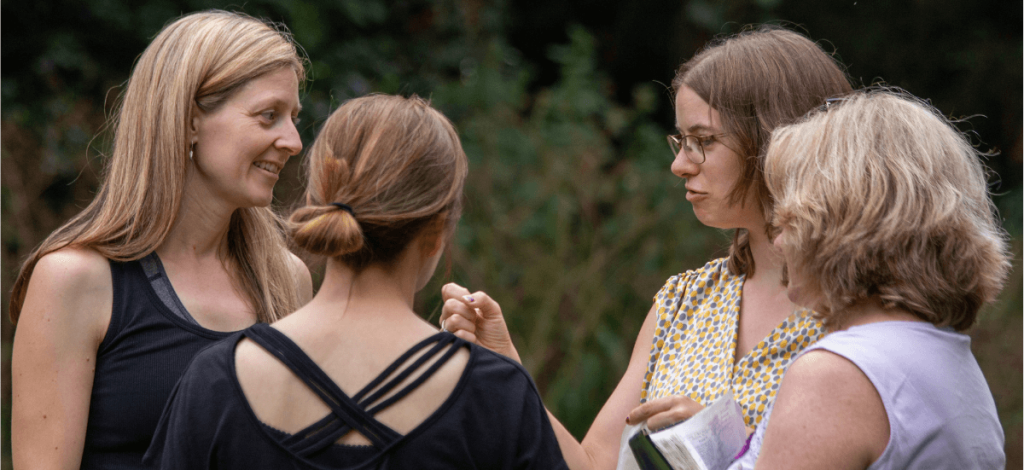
882, 197
758, 80
195, 63
397, 163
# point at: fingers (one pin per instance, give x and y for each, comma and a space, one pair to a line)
452, 290
489, 309
469, 337
456, 308
664, 412
646, 410
667, 418
461, 320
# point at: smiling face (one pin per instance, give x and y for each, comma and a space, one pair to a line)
242, 145
709, 184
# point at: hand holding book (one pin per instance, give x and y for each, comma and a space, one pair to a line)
664, 412
709, 440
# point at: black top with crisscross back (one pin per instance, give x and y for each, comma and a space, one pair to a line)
492, 419
355, 413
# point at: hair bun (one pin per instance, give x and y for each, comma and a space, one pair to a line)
326, 230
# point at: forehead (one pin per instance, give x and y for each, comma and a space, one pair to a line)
694, 114
281, 85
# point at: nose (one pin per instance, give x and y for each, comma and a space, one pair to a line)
683, 167
290, 141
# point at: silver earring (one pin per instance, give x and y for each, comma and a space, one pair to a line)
190, 149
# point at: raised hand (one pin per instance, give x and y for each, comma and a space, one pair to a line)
477, 318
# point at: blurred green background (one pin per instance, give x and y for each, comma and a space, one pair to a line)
573, 219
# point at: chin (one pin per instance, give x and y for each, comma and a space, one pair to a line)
262, 198
795, 296
255, 202
709, 221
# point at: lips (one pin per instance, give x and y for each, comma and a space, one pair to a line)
692, 195
268, 166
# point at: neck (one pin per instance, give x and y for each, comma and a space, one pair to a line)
377, 291
200, 231
767, 261
872, 310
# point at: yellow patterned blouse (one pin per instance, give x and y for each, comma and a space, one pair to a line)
695, 343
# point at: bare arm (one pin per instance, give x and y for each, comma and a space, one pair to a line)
65, 316
827, 415
479, 320
602, 440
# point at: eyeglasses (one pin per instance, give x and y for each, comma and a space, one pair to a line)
692, 144
830, 103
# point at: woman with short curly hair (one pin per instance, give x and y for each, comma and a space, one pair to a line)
890, 236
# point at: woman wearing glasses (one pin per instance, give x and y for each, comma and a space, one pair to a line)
728, 325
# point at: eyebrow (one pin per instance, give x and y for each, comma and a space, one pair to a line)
275, 101
701, 127
694, 129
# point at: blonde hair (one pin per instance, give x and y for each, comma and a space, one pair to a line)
882, 197
758, 80
195, 63
397, 163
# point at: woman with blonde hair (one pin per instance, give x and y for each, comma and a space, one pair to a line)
355, 379
177, 249
728, 325
889, 234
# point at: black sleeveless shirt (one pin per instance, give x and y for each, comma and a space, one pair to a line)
149, 342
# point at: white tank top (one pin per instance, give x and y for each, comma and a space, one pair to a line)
941, 412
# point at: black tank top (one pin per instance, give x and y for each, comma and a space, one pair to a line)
146, 348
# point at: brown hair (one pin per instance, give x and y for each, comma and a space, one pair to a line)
196, 62
758, 80
397, 163
881, 197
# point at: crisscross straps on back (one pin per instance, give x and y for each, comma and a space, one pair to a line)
348, 414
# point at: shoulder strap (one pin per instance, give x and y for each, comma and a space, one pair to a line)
453, 344
351, 413
119, 305
343, 407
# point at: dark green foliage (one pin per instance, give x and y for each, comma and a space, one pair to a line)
573, 220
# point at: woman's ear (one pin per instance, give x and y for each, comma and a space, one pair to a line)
433, 237
194, 124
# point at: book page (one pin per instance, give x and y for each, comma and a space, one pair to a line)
626, 459
708, 440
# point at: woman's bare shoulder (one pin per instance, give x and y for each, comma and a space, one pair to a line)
827, 396
74, 286
74, 265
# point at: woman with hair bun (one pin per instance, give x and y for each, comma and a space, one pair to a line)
355, 379
889, 234
177, 250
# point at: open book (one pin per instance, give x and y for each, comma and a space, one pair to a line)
709, 440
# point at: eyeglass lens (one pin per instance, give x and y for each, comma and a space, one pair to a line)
694, 149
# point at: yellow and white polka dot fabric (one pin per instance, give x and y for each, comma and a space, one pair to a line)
695, 343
